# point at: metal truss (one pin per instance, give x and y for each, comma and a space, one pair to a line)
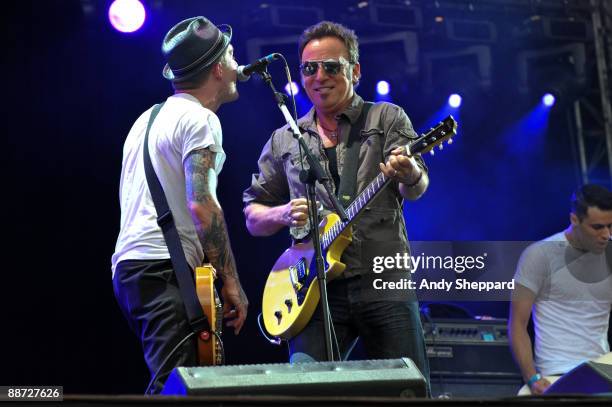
591, 115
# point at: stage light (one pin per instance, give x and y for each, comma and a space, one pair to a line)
454, 100
292, 87
126, 15
548, 99
383, 88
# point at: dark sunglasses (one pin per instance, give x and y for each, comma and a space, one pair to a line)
330, 67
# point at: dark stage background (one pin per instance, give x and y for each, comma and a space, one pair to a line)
74, 88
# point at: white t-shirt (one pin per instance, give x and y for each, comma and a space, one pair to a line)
572, 306
182, 126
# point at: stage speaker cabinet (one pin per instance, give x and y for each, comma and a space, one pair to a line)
367, 378
586, 378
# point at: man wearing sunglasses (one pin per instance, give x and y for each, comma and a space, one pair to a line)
388, 324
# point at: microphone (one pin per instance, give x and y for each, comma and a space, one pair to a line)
244, 72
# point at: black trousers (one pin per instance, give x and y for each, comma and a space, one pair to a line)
149, 297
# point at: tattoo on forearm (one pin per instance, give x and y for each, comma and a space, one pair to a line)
201, 180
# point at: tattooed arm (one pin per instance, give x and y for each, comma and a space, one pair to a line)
207, 215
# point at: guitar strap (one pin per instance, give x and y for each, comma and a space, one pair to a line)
183, 272
347, 190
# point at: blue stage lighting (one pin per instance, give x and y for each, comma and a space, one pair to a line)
454, 100
292, 86
548, 99
383, 88
126, 15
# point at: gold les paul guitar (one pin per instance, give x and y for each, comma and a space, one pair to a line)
291, 293
210, 348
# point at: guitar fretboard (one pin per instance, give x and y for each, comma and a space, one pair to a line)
355, 208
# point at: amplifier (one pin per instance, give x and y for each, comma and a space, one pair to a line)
471, 358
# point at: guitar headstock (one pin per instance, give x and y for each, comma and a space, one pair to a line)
444, 131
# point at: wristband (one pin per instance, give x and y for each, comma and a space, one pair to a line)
534, 379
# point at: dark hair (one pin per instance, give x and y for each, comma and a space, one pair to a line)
331, 29
590, 195
198, 79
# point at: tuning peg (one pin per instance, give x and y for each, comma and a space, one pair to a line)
432, 152
450, 141
441, 147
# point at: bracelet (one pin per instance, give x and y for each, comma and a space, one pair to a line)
534, 379
415, 183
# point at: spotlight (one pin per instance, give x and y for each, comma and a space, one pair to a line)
126, 15
383, 88
548, 99
454, 100
292, 87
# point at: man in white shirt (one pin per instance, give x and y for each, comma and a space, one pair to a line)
185, 146
567, 280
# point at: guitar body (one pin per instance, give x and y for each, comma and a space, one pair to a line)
292, 293
210, 351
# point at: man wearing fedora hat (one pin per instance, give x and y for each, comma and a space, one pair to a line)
185, 146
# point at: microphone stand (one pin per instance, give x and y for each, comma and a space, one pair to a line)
310, 177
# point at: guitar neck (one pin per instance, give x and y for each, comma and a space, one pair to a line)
355, 208
446, 129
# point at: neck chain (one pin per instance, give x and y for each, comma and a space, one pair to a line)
332, 133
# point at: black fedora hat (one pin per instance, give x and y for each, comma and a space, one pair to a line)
192, 45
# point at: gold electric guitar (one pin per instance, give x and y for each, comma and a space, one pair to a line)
210, 348
291, 293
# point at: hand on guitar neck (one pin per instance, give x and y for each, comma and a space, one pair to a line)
402, 168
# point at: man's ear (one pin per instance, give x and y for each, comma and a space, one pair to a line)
217, 70
356, 72
574, 219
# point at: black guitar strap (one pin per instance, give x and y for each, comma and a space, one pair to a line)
183, 272
347, 190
